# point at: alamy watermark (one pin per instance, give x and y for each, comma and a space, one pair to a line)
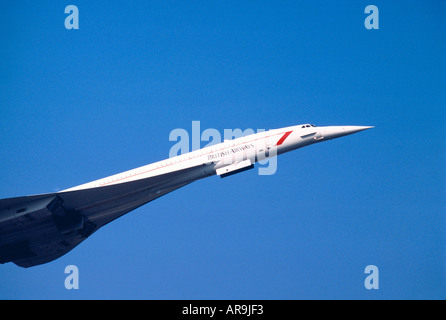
253, 149
72, 21
72, 280
372, 20
372, 280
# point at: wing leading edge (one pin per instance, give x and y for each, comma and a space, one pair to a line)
40, 228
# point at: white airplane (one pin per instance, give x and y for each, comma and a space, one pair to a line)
40, 228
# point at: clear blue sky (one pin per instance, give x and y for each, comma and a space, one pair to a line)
78, 105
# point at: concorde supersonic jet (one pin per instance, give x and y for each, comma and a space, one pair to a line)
40, 228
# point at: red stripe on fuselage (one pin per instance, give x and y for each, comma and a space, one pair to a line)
281, 140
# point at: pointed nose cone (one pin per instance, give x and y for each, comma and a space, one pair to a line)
353, 129
340, 131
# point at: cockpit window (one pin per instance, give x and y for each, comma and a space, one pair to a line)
313, 125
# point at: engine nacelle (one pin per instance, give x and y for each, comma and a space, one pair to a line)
235, 168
